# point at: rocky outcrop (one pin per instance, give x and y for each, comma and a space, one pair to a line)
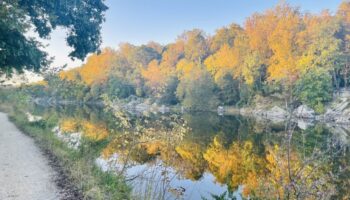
136, 105
304, 124
338, 112
304, 112
276, 112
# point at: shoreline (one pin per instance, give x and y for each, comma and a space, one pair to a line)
28, 172
67, 190
80, 178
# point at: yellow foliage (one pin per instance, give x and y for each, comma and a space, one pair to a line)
171, 56
238, 163
95, 70
224, 61
258, 28
191, 155
155, 76
70, 75
42, 83
69, 125
344, 11
120, 144
94, 132
282, 172
282, 42
154, 147
185, 68
97, 67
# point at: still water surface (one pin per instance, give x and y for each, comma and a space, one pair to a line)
207, 156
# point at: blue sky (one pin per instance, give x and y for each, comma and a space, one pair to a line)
141, 21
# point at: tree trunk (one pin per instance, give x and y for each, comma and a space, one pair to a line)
346, 74
336, 83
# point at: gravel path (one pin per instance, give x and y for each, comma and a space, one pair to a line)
24, 171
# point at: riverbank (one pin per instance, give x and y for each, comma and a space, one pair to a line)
336, 111
79, 176
271, 107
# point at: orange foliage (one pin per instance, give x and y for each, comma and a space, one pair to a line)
95, 70
89, 130
282, 42
224, 61
344, 11
93, 131
70, 75
154, 74
258, 28
193, 164
277, 42
69, 125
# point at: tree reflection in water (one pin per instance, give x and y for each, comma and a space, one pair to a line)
202, 155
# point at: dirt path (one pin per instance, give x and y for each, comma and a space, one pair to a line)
24, 171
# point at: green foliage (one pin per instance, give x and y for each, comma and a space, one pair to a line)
198, 94
228, 90
144, 54
319, 108
66, 90
168, 97
246, 94
116, 88
196, 47
314, 88
270, 55
18, 52
82, 18
79, 164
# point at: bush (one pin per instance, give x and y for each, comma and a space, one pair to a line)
119, 88
168, 97
319, 108
228, 90
198, 94
314, 88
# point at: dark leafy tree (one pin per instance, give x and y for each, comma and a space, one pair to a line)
81, 18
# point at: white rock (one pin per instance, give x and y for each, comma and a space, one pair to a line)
73, 140
304, 111
277, 112
33, 118
303, 124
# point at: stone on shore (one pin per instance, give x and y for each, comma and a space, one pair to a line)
304, 111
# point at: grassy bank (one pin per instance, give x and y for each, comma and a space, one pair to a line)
76, 168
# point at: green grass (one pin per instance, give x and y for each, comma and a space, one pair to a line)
78, 164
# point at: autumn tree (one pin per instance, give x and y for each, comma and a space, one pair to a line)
322, 46
195, 45
196, 89
96, 69
224, 36
155, 76
343, 15
272, 53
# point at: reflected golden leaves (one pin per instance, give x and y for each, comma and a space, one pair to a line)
268, 170
235, 166
92, 131
272, 174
